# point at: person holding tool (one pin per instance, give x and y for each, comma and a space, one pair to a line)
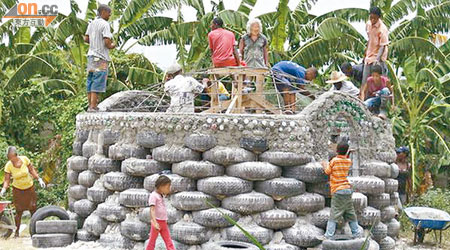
22, 171
286, 74
98, 35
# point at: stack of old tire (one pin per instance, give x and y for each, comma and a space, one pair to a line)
379, 184
278, 197
50, 227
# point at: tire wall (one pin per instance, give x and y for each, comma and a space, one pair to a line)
262, 171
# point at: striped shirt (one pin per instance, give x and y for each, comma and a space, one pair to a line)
97, 30
338, 169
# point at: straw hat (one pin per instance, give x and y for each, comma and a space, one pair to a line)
337, 77
174, 68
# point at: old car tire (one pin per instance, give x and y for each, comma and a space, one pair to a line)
143, 167
200, 142
95, 225
189, 233
224, 186
261, 234
254, 171
213, 218
368, 216
56, 226
276, 219
367, 184
285, 159
304, 203
310, 173
226, 156
149, 139
248, 203
134, 198
197, 169
45, 212
101, 165
303, 235
87, 178
379, 231
379, 201
134, 229
112, 212
280, 188
84, 235
344, 244
84, 207
77, 163
229, 245
178, 183
174, 154
51, 240
118, 181
192, 201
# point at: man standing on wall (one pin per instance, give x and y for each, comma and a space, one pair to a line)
377, 51
221, 43
98, 35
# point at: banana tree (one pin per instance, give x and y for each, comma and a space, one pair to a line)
422, 117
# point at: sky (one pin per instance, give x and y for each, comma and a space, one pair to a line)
165, 55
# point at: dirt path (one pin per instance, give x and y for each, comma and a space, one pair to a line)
24, 243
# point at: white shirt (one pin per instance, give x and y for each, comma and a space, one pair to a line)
347, 87
97, 30
182, 92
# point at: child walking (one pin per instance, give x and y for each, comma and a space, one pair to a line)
341, 201
158, 214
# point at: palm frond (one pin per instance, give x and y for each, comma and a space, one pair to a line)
418, 46
322, 52
145, 26
333, 28
246, 6
33, 65
142, 76
280, 32
91, 10
134, 11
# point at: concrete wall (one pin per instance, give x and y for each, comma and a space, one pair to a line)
262, 170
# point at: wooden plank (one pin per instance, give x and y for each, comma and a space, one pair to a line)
249, 71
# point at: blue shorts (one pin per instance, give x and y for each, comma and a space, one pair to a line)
96, 81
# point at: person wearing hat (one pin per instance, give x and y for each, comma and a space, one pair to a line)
404, 176
181, 89
340, 83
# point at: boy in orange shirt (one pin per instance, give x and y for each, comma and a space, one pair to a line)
341, 201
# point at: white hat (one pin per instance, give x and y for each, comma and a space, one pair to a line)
337, 77
174, 68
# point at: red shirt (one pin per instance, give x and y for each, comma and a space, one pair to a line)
221, 42
371, 88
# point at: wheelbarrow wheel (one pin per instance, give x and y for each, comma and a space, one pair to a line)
5, 233
420, 235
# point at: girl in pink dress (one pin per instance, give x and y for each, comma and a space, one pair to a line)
158, 214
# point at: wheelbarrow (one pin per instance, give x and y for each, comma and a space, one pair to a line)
427, 219
6, 220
